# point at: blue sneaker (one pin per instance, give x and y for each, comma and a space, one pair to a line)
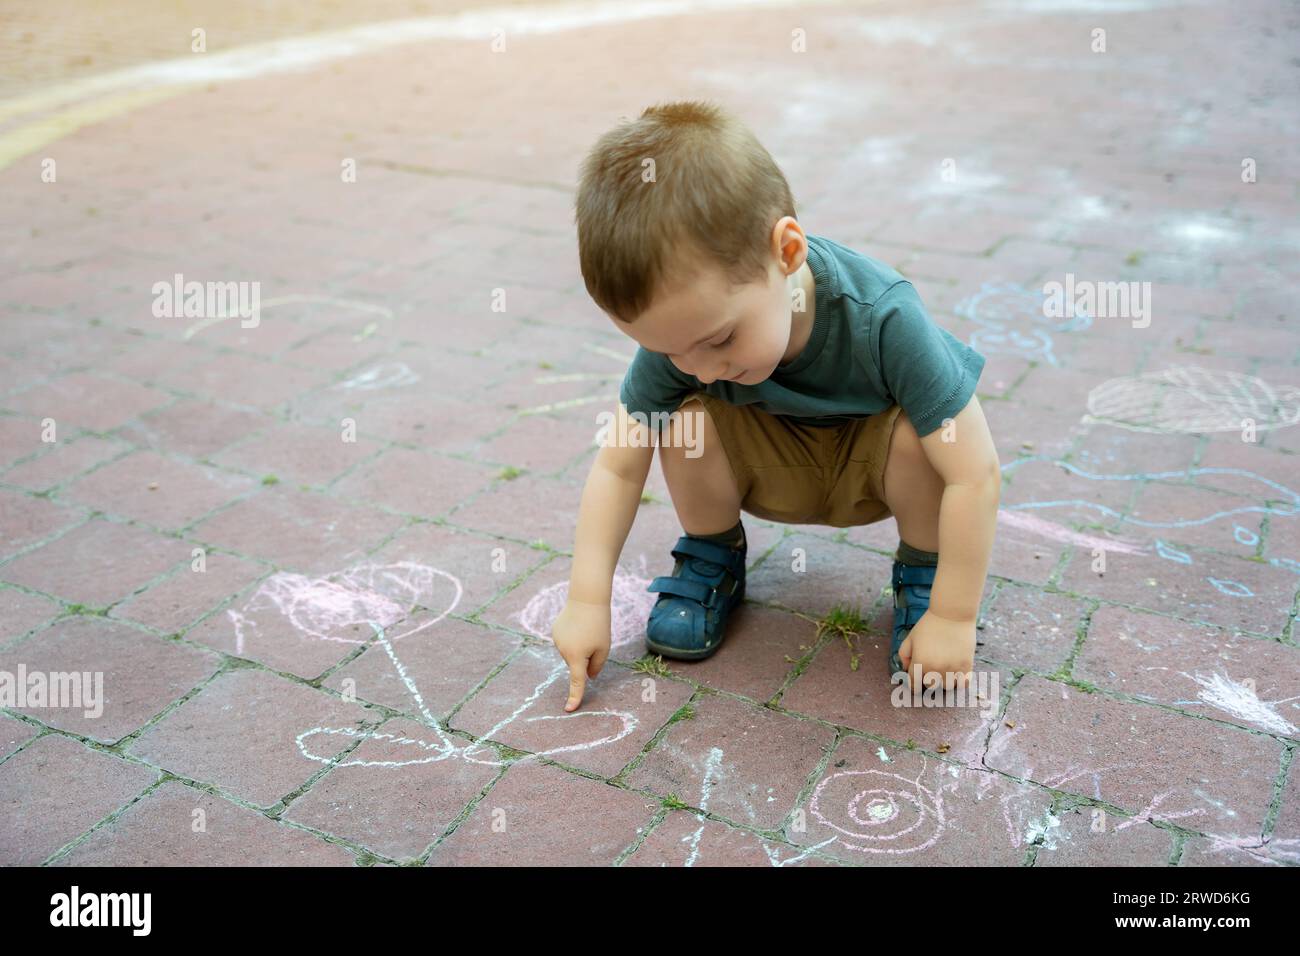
689, 620
911, 584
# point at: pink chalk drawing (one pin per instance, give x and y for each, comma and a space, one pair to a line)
630, 605
382, 598
328, 608
1270, 852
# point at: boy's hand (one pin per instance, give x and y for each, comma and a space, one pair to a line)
938, 644
581, 635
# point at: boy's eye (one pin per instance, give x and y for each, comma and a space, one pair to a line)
726, 340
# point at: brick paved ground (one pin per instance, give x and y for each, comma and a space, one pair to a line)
1144, 715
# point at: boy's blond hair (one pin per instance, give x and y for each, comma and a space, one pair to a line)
716, 193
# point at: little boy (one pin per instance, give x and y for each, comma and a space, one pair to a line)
822, 392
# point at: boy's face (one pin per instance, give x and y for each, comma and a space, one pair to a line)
715, 332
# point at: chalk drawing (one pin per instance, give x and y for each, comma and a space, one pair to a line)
294, 299
1287, 509
1012, 321
382, 596
1239, 699
630, 605
1057, 532
385, 375
1171, 553
1192, 400
888, 813
1272, 852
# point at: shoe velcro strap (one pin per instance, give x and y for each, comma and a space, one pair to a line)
681, 587
916, 573
704, 550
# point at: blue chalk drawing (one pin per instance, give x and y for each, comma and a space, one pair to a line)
1172, 553
1287, 563
1012, 321
1245, 535
1284, 492
1231, 588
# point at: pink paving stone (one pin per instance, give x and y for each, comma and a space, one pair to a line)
1175, 587
175, 603
64, 462
240, 734
1031, 629
399, 414
1248, 469
1089, 836
813, 574
1024, 549
445, 662
527, 508
159, 830
19, 438
483, 566
162, 492
1014, 422
391, 796
193, 427
149, 359
300, 454
1149, 762
86, 400
523, 707
1051, 496
337, 350
542, 443
13, 733
880, 805
296, 530
243, 380
1107, 450
1205, 671
760, 650
747, 763
54, 790
275, 332
691, 839
867, 700
540, 815
1179, 514
26, 519
415, 482
20, 612
97, 564
124, 677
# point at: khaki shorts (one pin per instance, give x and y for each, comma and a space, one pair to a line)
802, 474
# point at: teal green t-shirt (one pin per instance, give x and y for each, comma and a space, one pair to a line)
872, 345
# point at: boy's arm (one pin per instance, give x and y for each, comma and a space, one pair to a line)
968, 516
610, 501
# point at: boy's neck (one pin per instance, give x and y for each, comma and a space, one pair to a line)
801, 323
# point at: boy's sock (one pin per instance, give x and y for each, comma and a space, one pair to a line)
732, 537
914, 556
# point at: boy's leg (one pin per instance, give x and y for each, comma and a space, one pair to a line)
703, 488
